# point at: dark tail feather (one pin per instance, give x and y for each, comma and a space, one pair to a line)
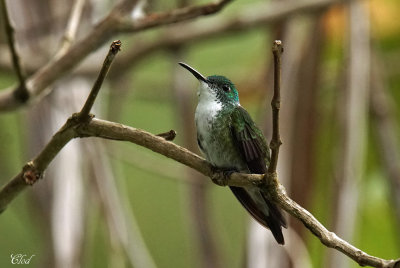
274, 221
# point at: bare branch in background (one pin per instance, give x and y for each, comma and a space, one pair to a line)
169, 17
124, 230
21, 93
145, 161
34, 169
64, 175
115, 22
261, 16
386, 127
354, 112
297, 251
72, 27
306, 116
198, 31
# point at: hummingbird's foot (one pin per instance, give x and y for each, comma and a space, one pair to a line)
222, 177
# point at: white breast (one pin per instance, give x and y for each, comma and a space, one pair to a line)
207, 109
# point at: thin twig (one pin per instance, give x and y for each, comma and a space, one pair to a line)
114, 49
21, 92
277, 50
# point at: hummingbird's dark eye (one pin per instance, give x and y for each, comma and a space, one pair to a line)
226, 88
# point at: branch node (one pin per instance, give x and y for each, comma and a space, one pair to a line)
82, 118
21, 93
115, 46
277, 47
169, 135
274, 144
30, 174
270, 181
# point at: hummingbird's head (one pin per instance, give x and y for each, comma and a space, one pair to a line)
215, 88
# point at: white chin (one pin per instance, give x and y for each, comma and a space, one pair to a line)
205, 90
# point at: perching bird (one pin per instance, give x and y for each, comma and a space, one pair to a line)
231, 141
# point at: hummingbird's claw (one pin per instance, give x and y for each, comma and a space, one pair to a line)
222, 178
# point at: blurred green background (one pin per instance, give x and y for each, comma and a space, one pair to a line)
158, 190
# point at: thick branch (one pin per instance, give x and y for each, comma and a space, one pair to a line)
114, 131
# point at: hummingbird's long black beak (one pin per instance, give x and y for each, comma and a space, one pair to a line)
196, 74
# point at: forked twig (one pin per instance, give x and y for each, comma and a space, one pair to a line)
33, 170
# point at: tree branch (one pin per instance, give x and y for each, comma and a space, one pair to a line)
115, 131
33, 170
114, 49
198, 31
193, 32
21, 93
277, 50
173, 16
72, 27
116, 21
326, 237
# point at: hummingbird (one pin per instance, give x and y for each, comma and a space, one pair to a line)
231, 142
